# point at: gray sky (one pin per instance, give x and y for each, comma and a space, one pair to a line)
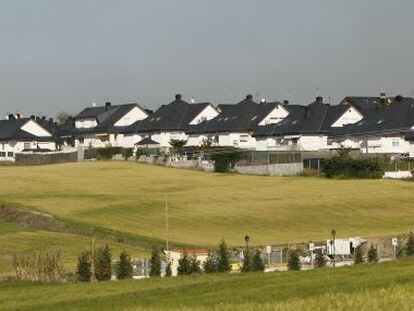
63, 55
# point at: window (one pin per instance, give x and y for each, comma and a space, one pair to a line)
27, 145
244, 138
330, 141
2, 154
10, 154
395, 143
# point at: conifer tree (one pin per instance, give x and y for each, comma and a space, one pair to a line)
84, 270
124, 267
293, 261
409, 247
223, 258
168, 270
209, 264
257, 262
155, 263
320, 260
184, 265
194, 264
247, 261
372, 254
103, 264
359, 255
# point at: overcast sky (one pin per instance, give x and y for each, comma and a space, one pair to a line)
63, 55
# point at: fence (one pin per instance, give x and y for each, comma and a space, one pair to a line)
253, 157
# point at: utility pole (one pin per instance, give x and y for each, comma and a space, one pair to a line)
167, 227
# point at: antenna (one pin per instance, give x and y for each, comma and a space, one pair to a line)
192, 100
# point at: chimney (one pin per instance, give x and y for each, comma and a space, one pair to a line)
398, 98
319, 100
37, 118
51, 120
11, 116
178, 97
18, 115
286, 102
32, 117
307, 112
382, 98
249, 97
107, 106
43, 118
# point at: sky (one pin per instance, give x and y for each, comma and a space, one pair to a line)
59, 55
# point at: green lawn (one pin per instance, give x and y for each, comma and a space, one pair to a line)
386, 286
205, 207
15, 239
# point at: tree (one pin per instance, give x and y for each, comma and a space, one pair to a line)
84, 270
359, 255
247, 261
178, 144
194, 264
103, 264
155, 263
257, 262
63, 116
320, 260
209, 264
223, 258
168, 270
372, 254
184, 265
294, 262
124, 267
409, 247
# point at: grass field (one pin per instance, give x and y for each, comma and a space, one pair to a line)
205, 207
386, 286
15, 239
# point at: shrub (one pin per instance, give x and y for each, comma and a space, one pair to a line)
168, 270
372, 254
257, 262
320, 260
294, 262
194, 264
103, 265
223, 258
224, 161
409, 247
124, 268
247, 261
184, 265
155, 263
127, 153
209, 264
108, 152
84, 270
359, 255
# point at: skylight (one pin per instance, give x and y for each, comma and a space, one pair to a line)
380, 121
254, 118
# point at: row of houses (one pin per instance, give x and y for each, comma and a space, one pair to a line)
371, 124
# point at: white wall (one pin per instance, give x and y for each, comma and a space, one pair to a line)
174, 257
240, 140
164, 138
208, 113
10, 148
350, 116
86, 123
35, 129
134, 115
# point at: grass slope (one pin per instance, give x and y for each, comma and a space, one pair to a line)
15, 239
204, 207
386, 286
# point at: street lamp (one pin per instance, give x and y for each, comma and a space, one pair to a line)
247, 239
333, 234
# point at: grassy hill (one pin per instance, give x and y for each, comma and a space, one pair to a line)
205, 207
386, 286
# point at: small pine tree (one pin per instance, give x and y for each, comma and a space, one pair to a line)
124, 267
103, 265
247, 261
409, 247
84, 270
293, 261
209, 264
257, 262
168, 270
194, 264
155, 263
320, 260
372, 254
184, 265
359, 255
223, 258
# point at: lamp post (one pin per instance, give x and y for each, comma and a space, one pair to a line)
246, 240
333, 234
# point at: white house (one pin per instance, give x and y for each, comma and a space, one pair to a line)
174, 255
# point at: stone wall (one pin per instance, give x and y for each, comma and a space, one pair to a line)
286, 169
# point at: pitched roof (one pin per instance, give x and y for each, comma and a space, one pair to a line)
241, 117
146, 141
11, 130
175, 116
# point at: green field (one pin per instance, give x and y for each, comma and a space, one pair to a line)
205, 207
386, 286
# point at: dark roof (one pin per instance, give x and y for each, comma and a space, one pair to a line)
175, 116
65, 129
146, 141
241, 117
11, 130
397, 117
106, 118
